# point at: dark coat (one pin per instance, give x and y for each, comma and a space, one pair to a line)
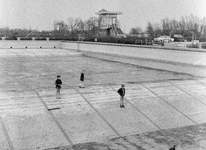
82, 77
121, 91
58, 83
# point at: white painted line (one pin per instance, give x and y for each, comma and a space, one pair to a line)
170, 104
117, 133
141, 112
197, 62
11, 147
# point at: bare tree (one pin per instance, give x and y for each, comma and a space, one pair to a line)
72, 24
150, 30
80, 25
136, 30
91, 25
166, 26
60, 28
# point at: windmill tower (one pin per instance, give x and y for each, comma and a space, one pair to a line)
108, 25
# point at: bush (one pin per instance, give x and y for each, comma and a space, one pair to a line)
25, 38
107, 39
10, 38
204, 45
40, 38
63, 38
193, 45
122, 40
203, 39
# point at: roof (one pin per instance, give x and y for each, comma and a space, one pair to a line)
105, 12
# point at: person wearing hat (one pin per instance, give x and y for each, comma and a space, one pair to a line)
121, 92
58, 84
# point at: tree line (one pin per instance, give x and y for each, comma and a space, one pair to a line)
187, 26
76, 26
70, 28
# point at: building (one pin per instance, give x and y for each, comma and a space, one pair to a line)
108, 25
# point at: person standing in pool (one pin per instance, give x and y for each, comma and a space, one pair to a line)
121, 92
81, 85
58, 84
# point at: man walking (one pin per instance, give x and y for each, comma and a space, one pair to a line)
121, 92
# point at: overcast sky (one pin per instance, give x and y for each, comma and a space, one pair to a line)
41, 14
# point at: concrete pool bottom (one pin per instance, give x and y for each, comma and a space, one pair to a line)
184, 138
92, 113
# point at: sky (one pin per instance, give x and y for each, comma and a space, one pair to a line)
41, 14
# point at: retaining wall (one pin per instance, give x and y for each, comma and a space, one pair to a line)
29, 44
189, 56
180, 55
